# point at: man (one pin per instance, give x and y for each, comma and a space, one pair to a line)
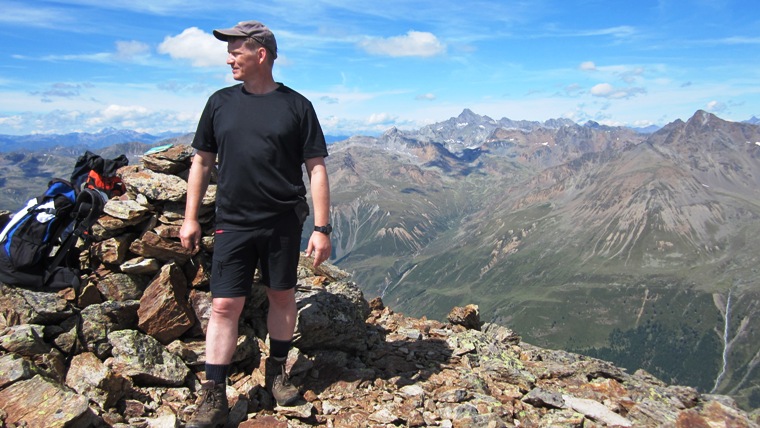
262, 132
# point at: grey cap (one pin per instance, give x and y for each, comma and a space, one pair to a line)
253, 29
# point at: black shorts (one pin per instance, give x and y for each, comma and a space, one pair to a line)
237, 253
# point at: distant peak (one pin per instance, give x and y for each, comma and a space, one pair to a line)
703, 116
467, 114
703, 119
592, 124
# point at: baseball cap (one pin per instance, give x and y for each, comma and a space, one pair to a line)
253, 29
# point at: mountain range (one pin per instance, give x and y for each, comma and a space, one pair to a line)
628, 246
635, 247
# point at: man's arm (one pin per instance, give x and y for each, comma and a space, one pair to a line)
319, 243
197, 183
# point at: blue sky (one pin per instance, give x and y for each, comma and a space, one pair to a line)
83, 65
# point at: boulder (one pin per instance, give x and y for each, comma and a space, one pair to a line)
164, 311
144, 360
39, 402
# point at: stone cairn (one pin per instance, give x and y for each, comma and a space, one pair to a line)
127, 350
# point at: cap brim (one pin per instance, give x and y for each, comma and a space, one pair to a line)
224, 35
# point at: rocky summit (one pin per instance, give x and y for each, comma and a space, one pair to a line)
127, 349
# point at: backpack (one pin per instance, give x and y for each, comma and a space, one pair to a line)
91, 171
36, 245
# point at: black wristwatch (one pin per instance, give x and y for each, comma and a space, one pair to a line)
324, 229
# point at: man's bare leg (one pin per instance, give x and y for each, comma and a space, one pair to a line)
221, 341
281, 322
281, 319
222, 330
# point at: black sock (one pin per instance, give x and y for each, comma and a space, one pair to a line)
217, 373
278, 349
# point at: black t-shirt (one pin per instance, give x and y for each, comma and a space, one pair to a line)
261, 142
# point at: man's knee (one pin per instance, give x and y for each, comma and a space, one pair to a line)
281, 297
227, 307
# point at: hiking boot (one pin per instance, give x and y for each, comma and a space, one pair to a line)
213, 408
278, 383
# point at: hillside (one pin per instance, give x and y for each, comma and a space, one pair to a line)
632, 247
585, 238
127, 349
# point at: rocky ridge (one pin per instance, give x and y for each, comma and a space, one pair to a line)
127, 350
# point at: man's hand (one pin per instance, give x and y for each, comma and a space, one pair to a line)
190, 235
320, 246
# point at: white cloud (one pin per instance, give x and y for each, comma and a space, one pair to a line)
642, 123
425, 97
622, 31
201, 48
588, 66
381, 118
329, 100
606, 90
126, 50
373, 125
12, 122
133, 117
36, 15
716, 106
62, 90
573, 89
413, 43
602, 90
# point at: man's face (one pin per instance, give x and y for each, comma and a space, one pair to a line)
244, 62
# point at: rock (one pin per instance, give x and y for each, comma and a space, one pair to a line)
22, 306
39, 402
91, 378
200, 302
144, 360
596, 411
712, 414
173, 160
108, 226
152, 245
155, 186
163, 421
14, 368
539, 397
412, 391
164, 312
169, 231
467, 317
101, 319
140, 266
193, 351
376, 304
173, 214
265, 421
26, 340
329, 321
113, 250
121, 287
128, 210
383, 416
452, 395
